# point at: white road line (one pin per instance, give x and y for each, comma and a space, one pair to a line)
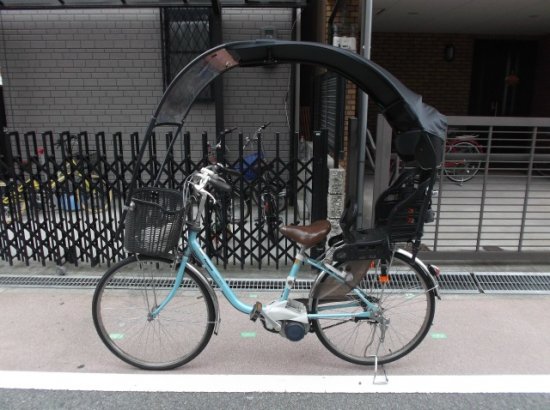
273, 383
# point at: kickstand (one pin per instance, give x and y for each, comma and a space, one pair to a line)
375, 375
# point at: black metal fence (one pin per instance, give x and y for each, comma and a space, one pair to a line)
63, 194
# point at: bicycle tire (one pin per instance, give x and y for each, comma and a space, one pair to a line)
238, 209
407, 292
271, 216
468, 170
134, 287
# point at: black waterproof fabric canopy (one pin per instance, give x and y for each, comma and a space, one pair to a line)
420, 130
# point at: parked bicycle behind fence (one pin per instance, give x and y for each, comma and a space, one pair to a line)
225, 211
461, 170
262, 190
266, 189
73, 185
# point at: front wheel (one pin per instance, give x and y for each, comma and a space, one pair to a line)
122, 309
406, 301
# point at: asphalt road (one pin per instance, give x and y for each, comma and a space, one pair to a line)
43, 400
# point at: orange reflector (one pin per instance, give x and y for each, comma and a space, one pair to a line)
384, 278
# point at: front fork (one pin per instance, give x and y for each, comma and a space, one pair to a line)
177, 283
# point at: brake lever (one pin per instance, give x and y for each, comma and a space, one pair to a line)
201, 186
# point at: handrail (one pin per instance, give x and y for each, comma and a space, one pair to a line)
499, 121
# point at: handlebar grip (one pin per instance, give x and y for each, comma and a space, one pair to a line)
224, 170
219, 184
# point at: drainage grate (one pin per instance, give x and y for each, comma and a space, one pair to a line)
454, 282
49, 281
513, 283
91, 282
457, 282
264, 284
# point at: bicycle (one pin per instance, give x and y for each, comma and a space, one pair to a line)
73, 185
78, 176
266, 189
17, 198
226, 210
236, 207
156, 311
462, 170
458, 170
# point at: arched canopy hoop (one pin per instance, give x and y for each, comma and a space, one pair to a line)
419, 129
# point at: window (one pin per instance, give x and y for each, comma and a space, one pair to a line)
187, 33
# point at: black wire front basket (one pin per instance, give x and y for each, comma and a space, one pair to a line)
153, 224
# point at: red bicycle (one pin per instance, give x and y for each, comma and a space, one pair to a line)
462, 170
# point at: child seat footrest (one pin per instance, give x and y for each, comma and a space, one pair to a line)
368, 244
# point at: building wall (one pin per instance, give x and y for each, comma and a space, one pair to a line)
81, 69
417, 60
541, 95
257, 95
101, 70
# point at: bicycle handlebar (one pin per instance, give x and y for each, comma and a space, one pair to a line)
219, 184
228, 131
263, 127
257, 134
211, 176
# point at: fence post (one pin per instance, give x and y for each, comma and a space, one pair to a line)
187, 153
320, 176
293, 173
319, 181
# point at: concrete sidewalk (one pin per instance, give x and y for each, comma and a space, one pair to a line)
51, 329
48, 329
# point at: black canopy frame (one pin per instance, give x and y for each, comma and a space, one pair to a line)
419, 129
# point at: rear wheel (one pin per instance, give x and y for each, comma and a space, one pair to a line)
406, 302
122, 309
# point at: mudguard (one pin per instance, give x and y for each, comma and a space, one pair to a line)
432, 281
203, 279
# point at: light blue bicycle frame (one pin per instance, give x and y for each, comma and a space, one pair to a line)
195, 249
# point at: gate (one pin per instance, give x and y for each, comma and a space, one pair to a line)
63, 198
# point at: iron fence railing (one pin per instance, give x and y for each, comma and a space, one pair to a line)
494, 188
63, 194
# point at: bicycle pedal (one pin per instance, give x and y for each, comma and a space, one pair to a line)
256, 311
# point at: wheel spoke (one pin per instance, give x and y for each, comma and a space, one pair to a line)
406, 310
122, 305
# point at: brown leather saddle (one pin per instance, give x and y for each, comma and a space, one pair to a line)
308, 235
